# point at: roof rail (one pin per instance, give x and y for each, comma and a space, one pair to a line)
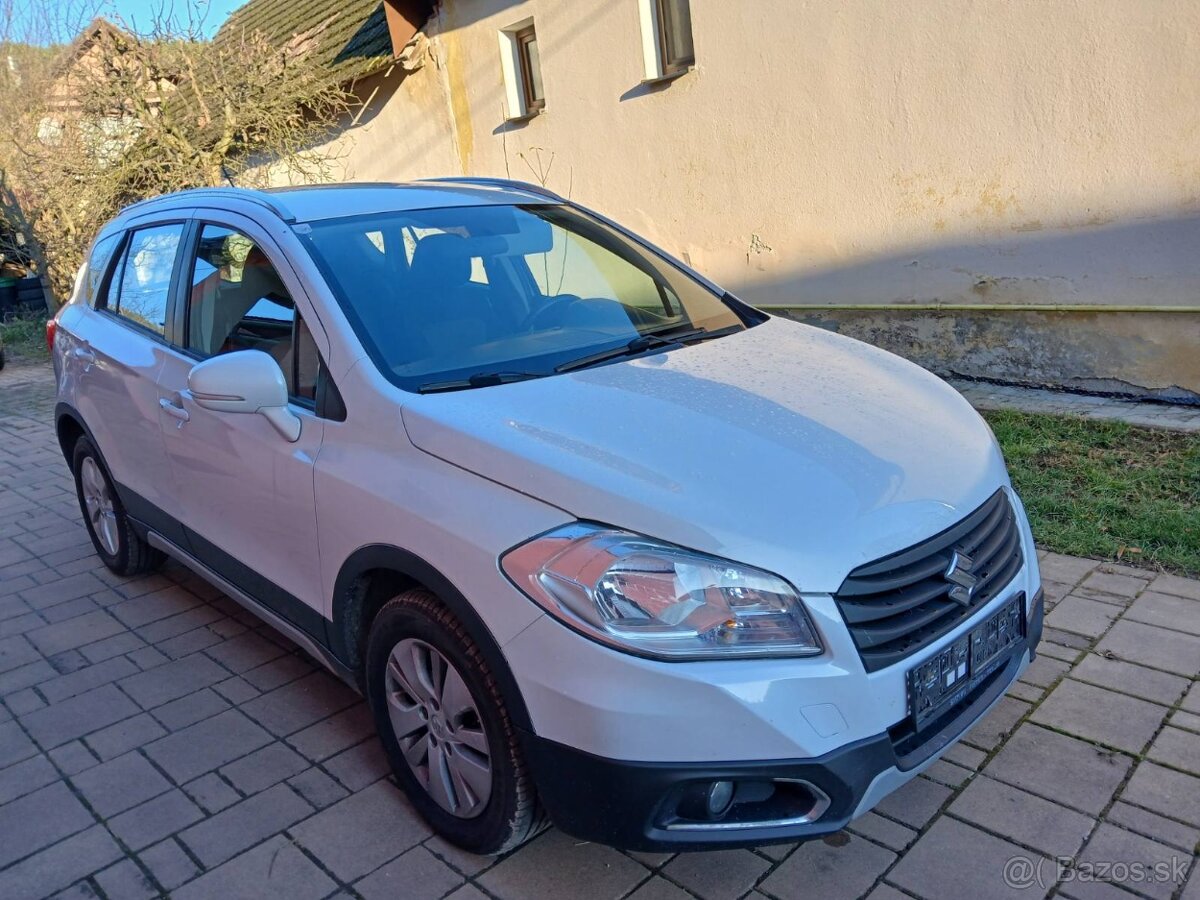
249, 194
510, 183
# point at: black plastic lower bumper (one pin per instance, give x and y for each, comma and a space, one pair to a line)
622, 803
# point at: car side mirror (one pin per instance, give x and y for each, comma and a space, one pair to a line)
245, 381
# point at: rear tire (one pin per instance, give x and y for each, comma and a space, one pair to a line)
111, 530
455, 753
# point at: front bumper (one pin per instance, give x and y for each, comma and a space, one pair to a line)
630, 804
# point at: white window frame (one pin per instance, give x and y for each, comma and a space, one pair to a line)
652, 44
510, 66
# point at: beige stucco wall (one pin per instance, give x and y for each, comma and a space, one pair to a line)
1012, 151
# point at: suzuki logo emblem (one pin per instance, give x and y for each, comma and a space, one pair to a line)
962, 582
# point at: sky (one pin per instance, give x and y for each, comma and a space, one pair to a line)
58, 20
141, 13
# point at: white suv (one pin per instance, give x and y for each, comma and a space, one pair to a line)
600, 543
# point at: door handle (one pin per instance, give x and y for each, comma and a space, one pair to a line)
172, 409
84, 355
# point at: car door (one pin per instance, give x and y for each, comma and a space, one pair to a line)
244, 494
118, 348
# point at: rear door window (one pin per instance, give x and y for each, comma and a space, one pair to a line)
142, 284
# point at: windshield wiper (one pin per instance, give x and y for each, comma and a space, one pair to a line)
649, 341
478, 380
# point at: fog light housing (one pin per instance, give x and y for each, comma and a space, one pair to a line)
719, 799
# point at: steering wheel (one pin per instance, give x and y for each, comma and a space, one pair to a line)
546, 316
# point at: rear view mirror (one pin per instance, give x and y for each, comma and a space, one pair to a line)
246, 381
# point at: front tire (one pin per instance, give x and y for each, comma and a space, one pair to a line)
446, 729
111, 530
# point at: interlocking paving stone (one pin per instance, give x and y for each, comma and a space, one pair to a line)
1069, 771
1065, 569
1179, 749
207, 745
1158, 648
1149, 684
153, 606
720, 874
173, 680
915, 803
62, 589
73, 758
358, 834
1023, 817
16, 651
657, 888
883, 831
211, 792
818, 869
554, 866
300, 703
86, 679
317, 788
471, 864
190, 709
244, 824
360, 765
126, 881
1184, 837
124, 735
415, 875
1114, 583
155, 819
37, 820
119, 784
1191, 700
1174, 794
272, 869
1044, 671
1174, 584
1117, 720
1166, 611
23, 702
245, 651
934, 866
19, 779
116, 645
325, 738
1082, 616
1115, 845
60, 865
79, 715
169, 864
997, 724
263, 768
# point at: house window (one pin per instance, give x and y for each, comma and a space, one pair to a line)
667, 46
522, 67
531, 69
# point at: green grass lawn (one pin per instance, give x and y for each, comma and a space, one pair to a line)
1106, 489
24, 337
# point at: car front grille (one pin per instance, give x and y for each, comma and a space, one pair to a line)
903, 602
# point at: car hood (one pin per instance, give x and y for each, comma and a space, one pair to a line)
783, 446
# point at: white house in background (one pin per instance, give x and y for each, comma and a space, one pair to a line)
929, 176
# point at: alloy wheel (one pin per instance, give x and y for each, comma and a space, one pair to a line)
99, 502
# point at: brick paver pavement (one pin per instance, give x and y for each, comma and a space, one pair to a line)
155, 738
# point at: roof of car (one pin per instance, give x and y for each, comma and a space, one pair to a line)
310, 203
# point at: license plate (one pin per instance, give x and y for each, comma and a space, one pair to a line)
946, 678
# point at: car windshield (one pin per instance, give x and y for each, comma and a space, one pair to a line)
466, 297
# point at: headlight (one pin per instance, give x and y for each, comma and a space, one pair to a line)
658, 600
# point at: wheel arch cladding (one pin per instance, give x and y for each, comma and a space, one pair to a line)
70, 428
374, 574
